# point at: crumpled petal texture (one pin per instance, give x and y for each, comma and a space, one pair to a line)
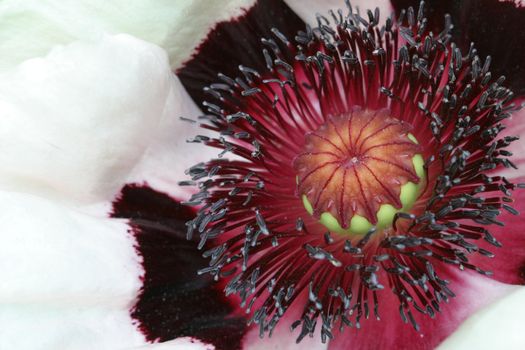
30, 28
68, 279
51, 253
75, 122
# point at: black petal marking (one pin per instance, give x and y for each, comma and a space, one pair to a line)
496, 27
174, 301
238, 42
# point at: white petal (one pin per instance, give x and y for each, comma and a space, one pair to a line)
307, 9
282, 340
68, 279
56, 327
76, 122
185, 343
499, 325
168, 155
50, 253
31, 28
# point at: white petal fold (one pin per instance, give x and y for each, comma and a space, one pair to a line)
56, 327
31, 28
68, 279
75, 122
53, 254
169, 154
185, 343
307, 9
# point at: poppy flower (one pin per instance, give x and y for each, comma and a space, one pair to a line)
356, 187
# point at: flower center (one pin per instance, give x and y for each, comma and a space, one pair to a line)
358, 170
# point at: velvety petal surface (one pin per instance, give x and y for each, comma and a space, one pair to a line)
174, 300
495, 27
237, 42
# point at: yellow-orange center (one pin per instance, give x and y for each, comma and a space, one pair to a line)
355, 164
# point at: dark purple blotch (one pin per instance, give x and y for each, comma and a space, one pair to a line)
495, 27
174, 301
237, 42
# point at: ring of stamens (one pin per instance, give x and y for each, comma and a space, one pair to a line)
263, 245
358, 169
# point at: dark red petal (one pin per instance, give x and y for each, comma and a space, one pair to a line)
237, 42
174, 300
472, 293
508, 264
495, 27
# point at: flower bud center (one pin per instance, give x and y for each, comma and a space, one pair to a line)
358, 169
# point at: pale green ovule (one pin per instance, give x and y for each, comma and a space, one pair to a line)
412, 138
359, 225
307, 205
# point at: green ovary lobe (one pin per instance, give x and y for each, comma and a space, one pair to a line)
358, 170
360, 225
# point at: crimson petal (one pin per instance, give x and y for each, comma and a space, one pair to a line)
496, 28
174, 302
508, 264
393, 334
242, 38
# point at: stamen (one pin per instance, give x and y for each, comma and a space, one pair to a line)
388, 137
